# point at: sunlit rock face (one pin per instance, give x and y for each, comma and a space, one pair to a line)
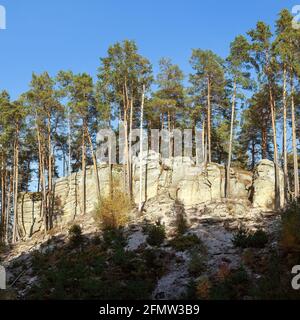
177, 178
264, 186
187, 182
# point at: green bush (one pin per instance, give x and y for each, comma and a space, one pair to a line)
94, 273
290, 235
156, 234
181, 222
197, 264
183, 243
75, 235
114, 238
233, 287
244, 239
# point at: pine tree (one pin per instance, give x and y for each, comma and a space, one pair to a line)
46, 111
238, 66
208, 86
169, 98
83, 114
121, 77
265, 64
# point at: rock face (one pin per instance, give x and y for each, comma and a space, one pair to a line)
186, 182
264, 186
178, 178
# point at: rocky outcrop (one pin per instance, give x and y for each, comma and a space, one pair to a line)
178, 178
264, 186
187, 182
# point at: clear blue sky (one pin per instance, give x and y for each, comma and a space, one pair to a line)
73, 34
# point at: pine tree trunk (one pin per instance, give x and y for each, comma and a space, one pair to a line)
3, 189
126, 152
8, 213
227, 193
69, 142
94, 163
277, 180
284, 144
42, 184
83, 167
141, 151
50, 174
253, 155
44, 192
209, 119
204, 148
130, 148
169, 137
295, 154
264, 143
16, 186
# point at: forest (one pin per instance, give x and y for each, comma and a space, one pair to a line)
247, 106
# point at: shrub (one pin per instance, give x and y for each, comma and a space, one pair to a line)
183, 243
181, 222
259, 239
197, 264
75, 235
244, 239
234, 286
156, 234
290, 235
112, 211
93, 273
114, 238
203, 288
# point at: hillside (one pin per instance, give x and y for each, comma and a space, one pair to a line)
218, 249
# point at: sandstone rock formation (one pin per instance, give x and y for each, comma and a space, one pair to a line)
264, 186
178, 178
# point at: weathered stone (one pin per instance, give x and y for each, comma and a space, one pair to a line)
264, 186
178, 178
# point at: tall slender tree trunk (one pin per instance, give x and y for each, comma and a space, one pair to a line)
126, 150
42, 184
130, 147
204, 146
44, 192
209, 119
253, 154
141, 151
8, 213
284, 144
227, 193
295, 154
94, 162
69, 142
169, 138
16, 185
50, 173
83, 167
276, 169
3, 190
264, 143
